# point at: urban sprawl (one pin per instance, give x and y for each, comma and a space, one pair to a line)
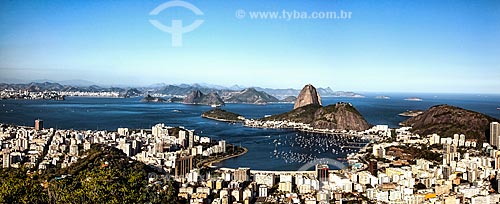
395, 167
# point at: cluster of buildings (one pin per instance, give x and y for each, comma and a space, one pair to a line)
465, 171
285, 124
243, 185
30, 95
169, 149
22, 145
460, 170
107, 94
54, 95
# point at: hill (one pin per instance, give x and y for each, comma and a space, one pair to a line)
102, 175
447, 120
249, 95
197, 97
289, 99
340, 116
106, 175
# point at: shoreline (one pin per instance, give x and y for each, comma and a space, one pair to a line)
210, 163
299, 129
222, 120
296, 127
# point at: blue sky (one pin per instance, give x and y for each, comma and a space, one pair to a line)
386, 46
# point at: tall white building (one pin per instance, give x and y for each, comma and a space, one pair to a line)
159, 130
494, 133
191, 139
222, 144
6, 159
73, 150
262, 191
123, 131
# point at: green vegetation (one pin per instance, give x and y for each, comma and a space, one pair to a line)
103, 175
16, 186
222, 115
412, 153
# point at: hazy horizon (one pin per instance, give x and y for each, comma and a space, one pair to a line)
387, 46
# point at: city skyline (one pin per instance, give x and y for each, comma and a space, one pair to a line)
388, 46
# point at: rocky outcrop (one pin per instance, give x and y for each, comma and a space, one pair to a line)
196, 97
308, 95
151, 99
222, 115
340, 116
249, 95
447, 120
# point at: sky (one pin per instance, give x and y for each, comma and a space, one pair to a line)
386, 45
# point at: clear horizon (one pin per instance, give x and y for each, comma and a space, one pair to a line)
387, 46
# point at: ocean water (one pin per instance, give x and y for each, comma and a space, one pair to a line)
268, 149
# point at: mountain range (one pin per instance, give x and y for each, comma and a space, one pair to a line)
231, 94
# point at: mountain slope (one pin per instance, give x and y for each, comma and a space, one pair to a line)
197, 97
249, 95
447, 120
339, 116
105, 175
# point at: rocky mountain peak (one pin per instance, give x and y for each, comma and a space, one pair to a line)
197, 97
308, 95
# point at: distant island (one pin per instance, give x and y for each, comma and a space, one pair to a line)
151, 99
411, 113
413, 99
382, 97
222, 115
347, 94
